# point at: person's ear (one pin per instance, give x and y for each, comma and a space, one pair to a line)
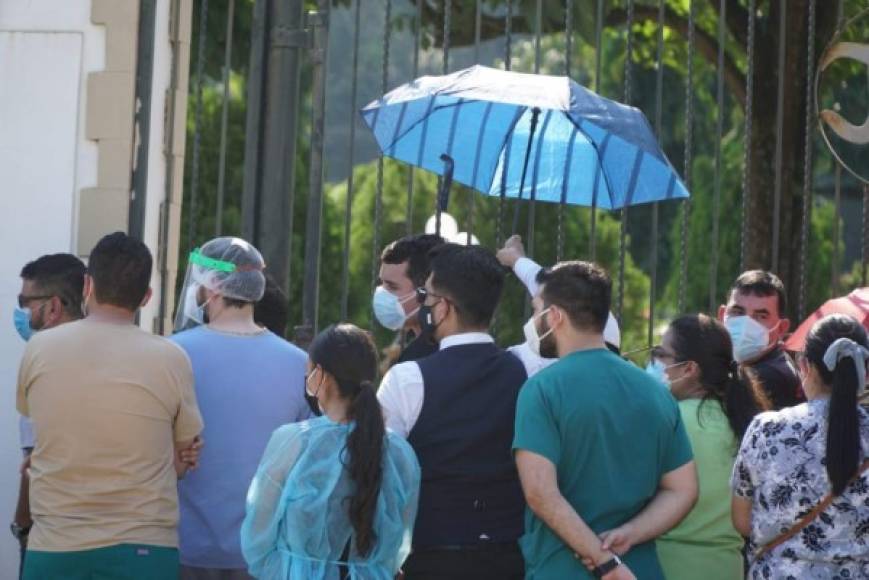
785, 326
693, 370
86, 288
721, 311
53, 312
147, 298
554, 317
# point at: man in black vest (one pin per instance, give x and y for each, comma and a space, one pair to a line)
457, 408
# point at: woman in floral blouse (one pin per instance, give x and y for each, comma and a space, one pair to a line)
792, 459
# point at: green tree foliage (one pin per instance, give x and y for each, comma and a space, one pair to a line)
362, 254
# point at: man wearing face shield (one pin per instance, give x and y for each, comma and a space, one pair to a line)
404, 267
248, 383
604, 460
51, 290
755, 317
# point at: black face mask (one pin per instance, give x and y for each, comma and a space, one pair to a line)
313, 404
427, 324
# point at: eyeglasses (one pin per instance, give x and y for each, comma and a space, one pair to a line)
660, 353
422, 295
24, 301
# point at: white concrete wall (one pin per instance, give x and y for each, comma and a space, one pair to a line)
47, 49
156, 192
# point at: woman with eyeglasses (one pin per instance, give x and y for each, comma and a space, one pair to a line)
800, 485
717, 401
336, 496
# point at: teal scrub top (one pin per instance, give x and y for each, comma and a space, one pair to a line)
612, 432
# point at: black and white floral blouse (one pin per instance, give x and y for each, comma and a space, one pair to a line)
780, 468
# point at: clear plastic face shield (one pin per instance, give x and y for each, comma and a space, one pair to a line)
228, 267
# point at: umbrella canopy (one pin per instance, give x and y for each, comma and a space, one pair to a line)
855, 304
575, 146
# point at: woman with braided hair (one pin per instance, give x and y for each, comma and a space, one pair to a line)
717, 401
800, 482
336, 496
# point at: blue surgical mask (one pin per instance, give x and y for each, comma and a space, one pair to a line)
657, 371
750, 338
21, 317
388, 308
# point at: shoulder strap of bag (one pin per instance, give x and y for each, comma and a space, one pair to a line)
806, 519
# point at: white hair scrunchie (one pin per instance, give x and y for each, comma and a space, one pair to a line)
847, 348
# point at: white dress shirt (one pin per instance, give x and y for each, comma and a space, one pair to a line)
402, 390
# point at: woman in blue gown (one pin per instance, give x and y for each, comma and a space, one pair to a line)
336, 496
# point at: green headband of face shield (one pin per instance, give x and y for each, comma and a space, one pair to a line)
196, 257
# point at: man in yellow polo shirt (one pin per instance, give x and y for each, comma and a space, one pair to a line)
113, 406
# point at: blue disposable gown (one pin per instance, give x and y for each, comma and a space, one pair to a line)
297, 523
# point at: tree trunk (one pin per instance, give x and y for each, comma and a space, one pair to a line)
762, 180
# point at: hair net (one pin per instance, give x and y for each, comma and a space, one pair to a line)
231, 267
227, 266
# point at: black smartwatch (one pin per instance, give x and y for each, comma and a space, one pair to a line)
607, 567
20, 532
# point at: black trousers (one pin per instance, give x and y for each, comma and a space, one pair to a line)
480, 562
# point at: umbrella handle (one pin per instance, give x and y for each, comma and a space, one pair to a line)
444, 192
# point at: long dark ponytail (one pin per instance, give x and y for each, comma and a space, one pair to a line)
843, 420
348, 354
704, 340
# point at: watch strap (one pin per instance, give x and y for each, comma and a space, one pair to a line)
606, 567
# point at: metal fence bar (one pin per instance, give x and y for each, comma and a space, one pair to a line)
807, 166
623, 234
410, 171
224, 119
253, 133
568, 49
749, 114
779, 145
319, 26
598, 57
538, 32
472, 195
448, 18
689, 159
864, 254
719, 135
508, 48
348, 202
378, 192
197, 123
837, 184
659, 126
837, 203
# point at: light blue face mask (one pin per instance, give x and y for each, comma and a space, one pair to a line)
750, 338
22, 317
388, 308
657, 371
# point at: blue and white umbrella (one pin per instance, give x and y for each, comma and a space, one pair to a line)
527, 136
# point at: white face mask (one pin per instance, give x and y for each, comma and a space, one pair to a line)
750, 338
531, 337
388, 308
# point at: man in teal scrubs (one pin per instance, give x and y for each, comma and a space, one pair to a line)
602, 454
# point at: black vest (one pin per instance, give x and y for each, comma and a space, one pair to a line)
470, 491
